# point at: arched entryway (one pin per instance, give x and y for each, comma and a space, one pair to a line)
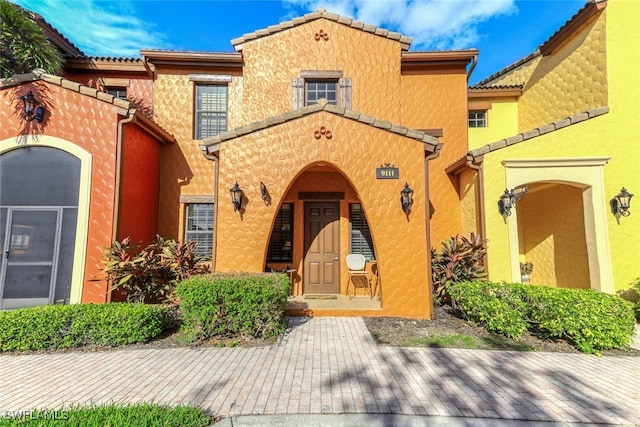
39, 216
564, 224
320, 220
551, 235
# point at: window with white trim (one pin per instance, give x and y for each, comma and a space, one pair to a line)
361, 241
477, 119
210, 110
281, 242
199, 227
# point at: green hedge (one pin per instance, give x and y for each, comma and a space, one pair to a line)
591, 320
65, 326
233, 305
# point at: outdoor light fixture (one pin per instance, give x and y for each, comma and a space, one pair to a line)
30, 108
621, 203
406, 198
509, 198
266, 198
236, 197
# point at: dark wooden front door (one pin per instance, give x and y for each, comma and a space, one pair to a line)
322, 247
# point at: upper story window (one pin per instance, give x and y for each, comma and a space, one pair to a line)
210, 110
477, 119
313, 85
118, 92
315, 90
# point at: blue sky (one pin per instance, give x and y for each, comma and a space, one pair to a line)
503, 30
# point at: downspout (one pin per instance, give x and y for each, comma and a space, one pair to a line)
474, 62
118, 175
427, 218
472, 163
116, 202
214, 238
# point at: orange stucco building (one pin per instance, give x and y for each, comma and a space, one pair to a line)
321, 122
319, 138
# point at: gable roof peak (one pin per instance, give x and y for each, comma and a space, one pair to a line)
322, 13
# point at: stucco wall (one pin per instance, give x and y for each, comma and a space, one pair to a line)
554, 89
552, 235
502, 120
140, 186
372, 62
622, 134
439, 102
90, 124
278, 155
611, 135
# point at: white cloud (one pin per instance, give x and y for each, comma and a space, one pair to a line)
98, 28
433, 24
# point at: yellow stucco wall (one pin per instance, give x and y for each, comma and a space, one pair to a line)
552, 235
469, 207
593, 75
553, 91
279, 154
502, 119
623, 134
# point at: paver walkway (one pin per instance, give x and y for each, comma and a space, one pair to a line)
332, 365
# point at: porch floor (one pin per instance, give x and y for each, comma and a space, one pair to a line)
342, 302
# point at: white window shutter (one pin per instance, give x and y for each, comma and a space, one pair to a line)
345, 92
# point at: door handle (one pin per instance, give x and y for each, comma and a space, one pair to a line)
6, 254
336, 257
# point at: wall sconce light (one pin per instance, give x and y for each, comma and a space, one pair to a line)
236, 197
406, 198
509, 198
30, 109
620, 204
266, 198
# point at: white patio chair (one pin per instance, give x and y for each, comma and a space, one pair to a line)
357, 273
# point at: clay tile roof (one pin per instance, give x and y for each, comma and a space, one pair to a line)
533, 133
55, 36
210, 145
141, 118
322, 13
508, 68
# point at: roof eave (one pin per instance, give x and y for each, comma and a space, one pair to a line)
181, 58
571, 26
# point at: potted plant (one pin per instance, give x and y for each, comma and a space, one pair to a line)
526, 268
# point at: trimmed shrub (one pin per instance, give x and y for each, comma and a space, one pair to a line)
497, 307
590, 320
233, 305
52, 327
636, 287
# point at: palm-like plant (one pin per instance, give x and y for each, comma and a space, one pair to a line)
23, 45
460, 260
